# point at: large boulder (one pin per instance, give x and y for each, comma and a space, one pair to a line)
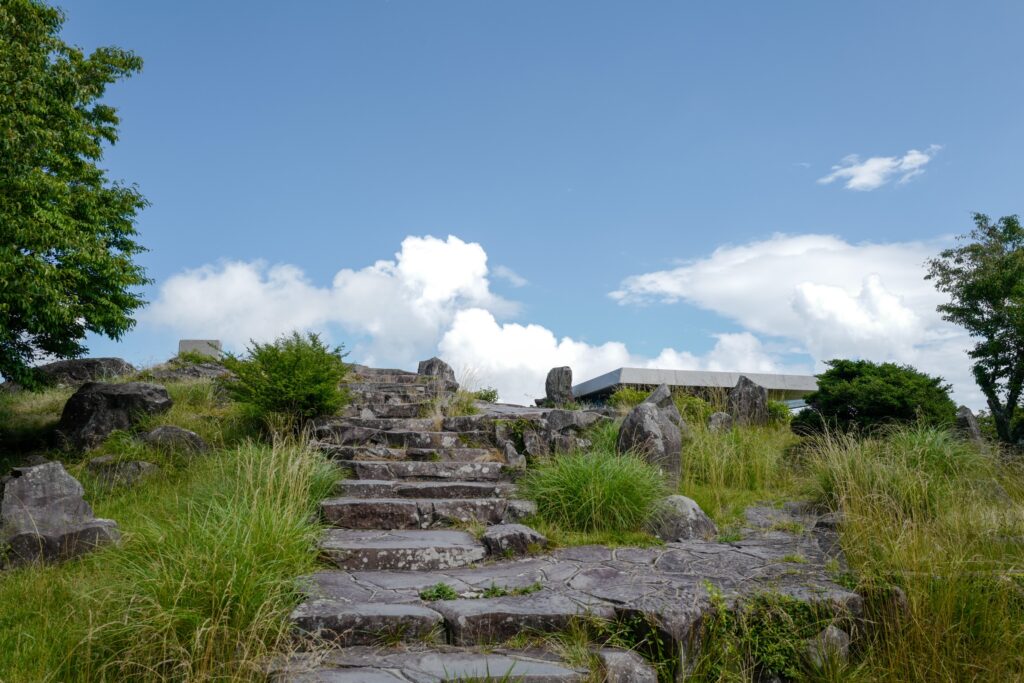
655, 430
81, 370
44, 518
967, 425
748, 402
111, 472
679, 518
99, 408
558, 386
435, 367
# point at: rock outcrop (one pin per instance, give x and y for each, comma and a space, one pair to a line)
435, 367
748, 402
655, 430
44, 517
967, 425
78, 371
679, 518
558, 386
98, 408
512, 540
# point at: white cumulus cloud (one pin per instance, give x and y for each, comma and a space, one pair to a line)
832, 298
872, 173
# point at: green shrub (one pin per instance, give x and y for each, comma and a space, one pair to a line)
488, 395
779, 413
295, 376
627, 397
598, 491
693, 409
864, 395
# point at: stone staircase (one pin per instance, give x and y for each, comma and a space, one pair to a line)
420, 489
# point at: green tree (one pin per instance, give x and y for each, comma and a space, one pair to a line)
984, 278
863, 395
67, 233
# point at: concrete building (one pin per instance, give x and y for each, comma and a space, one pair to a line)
780, 387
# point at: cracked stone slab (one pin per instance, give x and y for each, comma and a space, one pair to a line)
436, 470
419, 513
376, 488
346, 623
410, 550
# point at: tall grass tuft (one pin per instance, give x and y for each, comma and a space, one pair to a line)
595, 491
199, 589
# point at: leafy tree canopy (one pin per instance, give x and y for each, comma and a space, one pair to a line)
67, 234
863, 395
984, 278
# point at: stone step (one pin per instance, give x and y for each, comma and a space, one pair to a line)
407, 550
404, 389
420, 513
341, 425
385, 377
384, 453
366, 623
437, 664
407, 438
401, 488
397, 409
436, 470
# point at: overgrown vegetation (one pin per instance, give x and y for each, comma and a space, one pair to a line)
295, 376
199, 589
597, 491
859, 394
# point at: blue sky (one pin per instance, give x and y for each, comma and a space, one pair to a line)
602, 152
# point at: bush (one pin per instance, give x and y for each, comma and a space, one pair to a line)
488, 395
627, 397
598, 491
779, 413
295, 376
864, 395
693, 409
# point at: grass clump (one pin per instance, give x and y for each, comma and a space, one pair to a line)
599, 491
439, 591
487, 395
295, 376
199, 589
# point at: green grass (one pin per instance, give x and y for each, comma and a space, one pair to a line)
597, 491
199, 588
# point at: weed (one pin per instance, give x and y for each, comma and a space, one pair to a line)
439, 591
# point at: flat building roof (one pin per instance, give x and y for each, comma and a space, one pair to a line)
791, 386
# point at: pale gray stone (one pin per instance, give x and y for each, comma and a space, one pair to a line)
514, 458
679, 518
97, 409
748, 403
205, 347
655, 430
176, 438
831, 645
967, 425
408, 550
111, 472
719, 422
44, 517
625, 666
558, 386
435, 367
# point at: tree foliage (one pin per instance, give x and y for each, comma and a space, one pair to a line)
297, 376
859, 394
984, 278
67, 234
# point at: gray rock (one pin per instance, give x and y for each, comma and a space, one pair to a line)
625, 666
720, 422
967, 425
575, 421
679, 518
44, 517
558, 386
81, 370
111, 472
655, 430
506, 540
97, 409
748, 402
177, 371
175, 438
831, 645
514, 458
435, 367
535, 445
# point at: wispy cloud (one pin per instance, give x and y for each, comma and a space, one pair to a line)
874, 172
508, 275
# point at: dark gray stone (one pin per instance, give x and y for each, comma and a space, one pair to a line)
625, 666
719, 422
179, 371
831, 645
345, 623
679, 518
558, 386
511, 540
111, 472
574, 421
514, 458
655, 430
175, 438
535, 445
435, 367
97, 409
748, 403
967, 425
489, 620
81, 370
44, 517
410, 550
